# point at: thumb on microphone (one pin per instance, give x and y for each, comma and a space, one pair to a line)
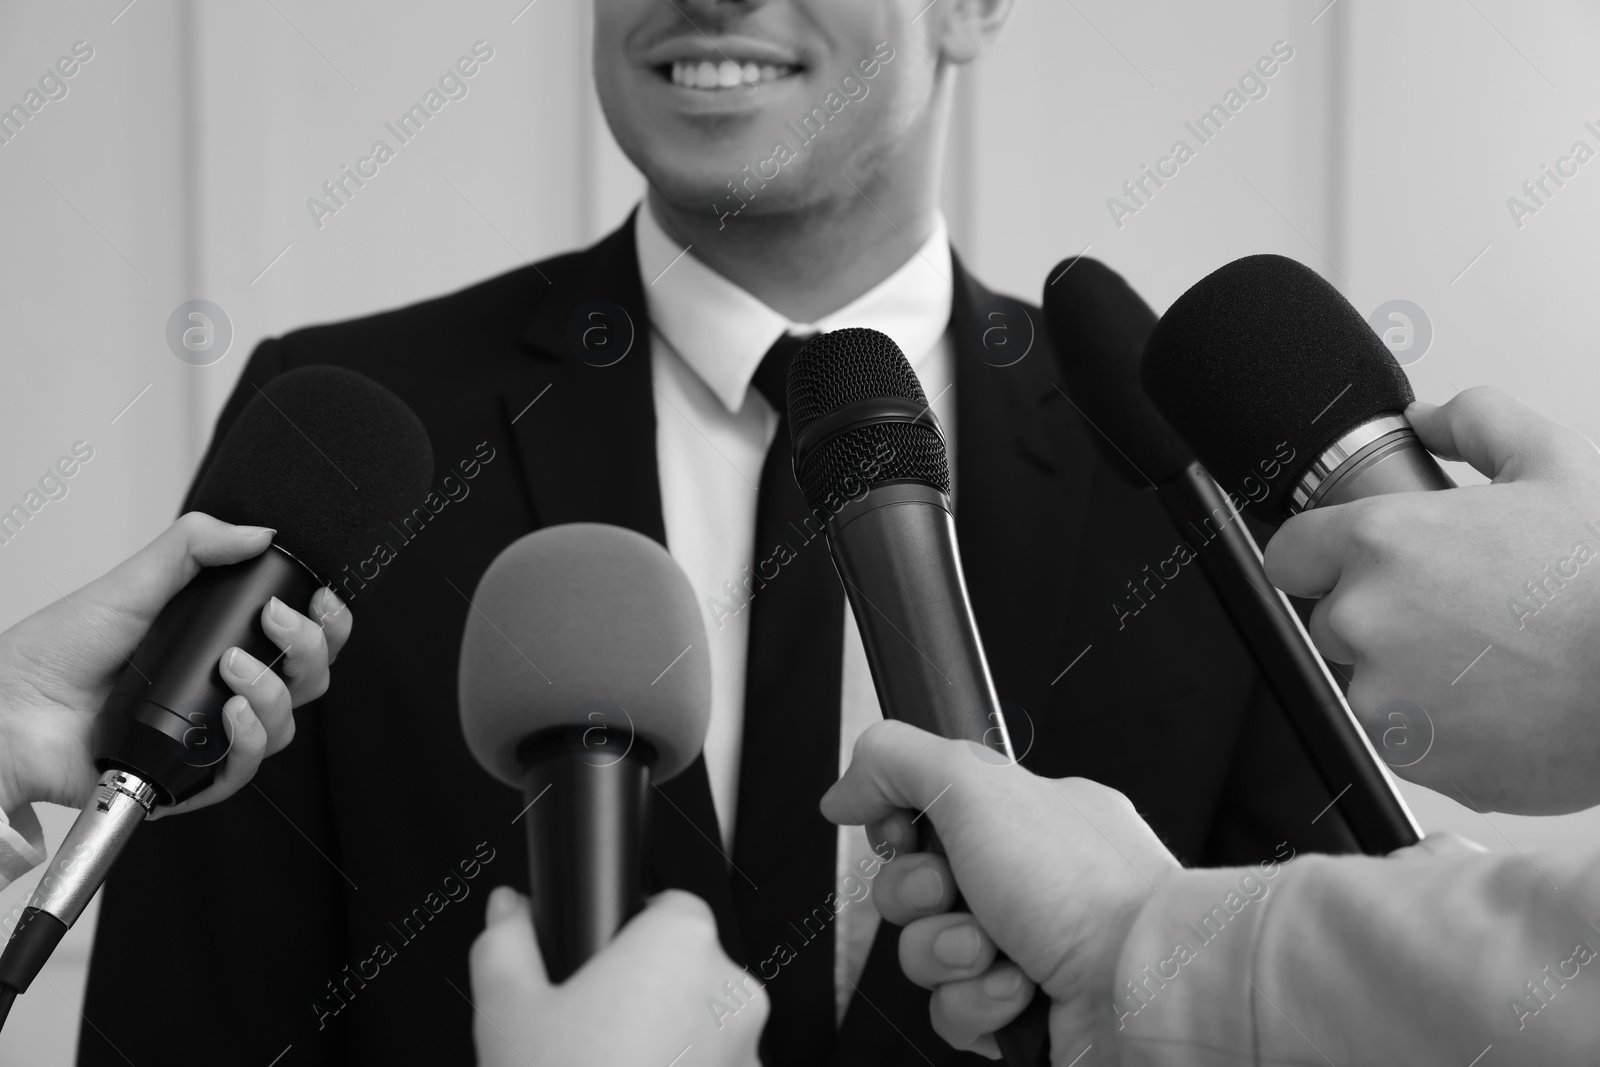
1500, 436
505, 962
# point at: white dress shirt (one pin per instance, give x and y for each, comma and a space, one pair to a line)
708, 336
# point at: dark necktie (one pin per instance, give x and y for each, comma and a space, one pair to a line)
785, 851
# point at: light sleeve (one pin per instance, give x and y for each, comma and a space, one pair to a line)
1416, 958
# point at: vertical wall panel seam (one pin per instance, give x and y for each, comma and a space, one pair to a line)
191, 208
589, 139
1339, 107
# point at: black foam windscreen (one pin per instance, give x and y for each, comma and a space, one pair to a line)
328, 458
1261, 366
839, 368
1098, 327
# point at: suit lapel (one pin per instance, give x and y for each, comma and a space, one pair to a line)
587, 434
586, 437
1021, 485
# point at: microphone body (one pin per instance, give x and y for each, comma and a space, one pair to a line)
1382, 455
1306, 691
895, 551
163, 721
587, 823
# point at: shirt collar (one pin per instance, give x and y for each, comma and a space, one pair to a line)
722, 332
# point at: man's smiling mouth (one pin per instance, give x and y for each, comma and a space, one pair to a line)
721, 63
718, 76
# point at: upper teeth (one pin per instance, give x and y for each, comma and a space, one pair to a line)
725, 75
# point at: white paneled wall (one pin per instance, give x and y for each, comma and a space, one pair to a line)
1081, 96
179, 164
93, 254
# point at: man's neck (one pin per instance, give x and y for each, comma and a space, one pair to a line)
808, 264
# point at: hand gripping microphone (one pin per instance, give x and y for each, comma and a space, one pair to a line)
324, 456
1098, 327
1284, 392
585, 674
870, 459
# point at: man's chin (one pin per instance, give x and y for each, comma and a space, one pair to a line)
729, 182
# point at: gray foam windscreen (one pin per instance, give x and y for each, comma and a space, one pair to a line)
585, 625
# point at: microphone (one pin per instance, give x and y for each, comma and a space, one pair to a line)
324, 456
585, 674
1098, 327
870, 459
1284, 392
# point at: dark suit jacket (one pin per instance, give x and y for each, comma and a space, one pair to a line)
330, 905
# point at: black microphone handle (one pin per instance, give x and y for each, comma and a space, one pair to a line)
1310, 698
895, 551
586, 823
163, 720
